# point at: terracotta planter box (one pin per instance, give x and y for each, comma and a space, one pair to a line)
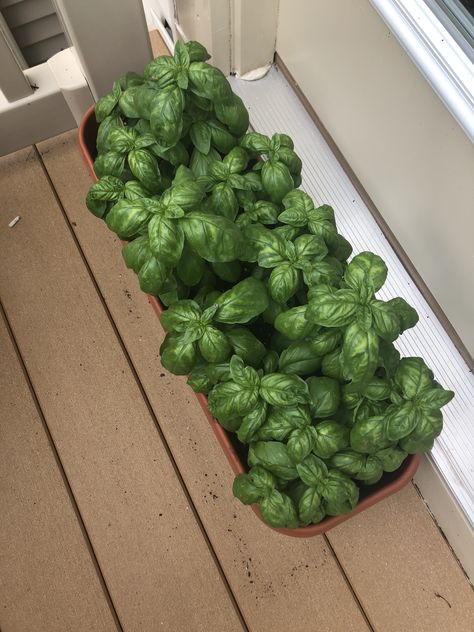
233, 449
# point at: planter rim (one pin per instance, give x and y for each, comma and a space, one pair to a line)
86, 137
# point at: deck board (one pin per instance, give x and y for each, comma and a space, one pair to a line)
402, 569
48, 581
158, 567
267, 572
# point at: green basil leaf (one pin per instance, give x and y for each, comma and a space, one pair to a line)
368, 435
325, 396
109, 164
196, 51
213, 237
386, 320
127, 102
144, 167
408, 316
332, 308
278, 389
152, 276
252, 422
243, 302
299, 359
413, 377
330, 437
179, 316
401, 420
278, 511
246, 345
360, 352
283, 282
166, 118
421, 439
391, 458
243, 375
324, 341
245, 490
214, 346
163, 70
105, 105
103, 133
310, 510
366, 270
273, 456
434, 398
300, 443
176, 356
224, 201
312, 470
200, 134
229, 399
340, 494
191, 267
166, 239
221, 138
233, 113
276, 180
209, 82
293, 324
348, 461
127, 217
371, 470
331, 365
136, 252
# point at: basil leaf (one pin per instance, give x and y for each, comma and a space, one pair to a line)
127, 217
332, 308
166, 117
105, 105
233, 113
278, 389
177, 357
276, 180
386, 320
312, 470
299, 359
109, 164
325, 396
252, 422
209, 82
213, 237
273, 456
180, 315
300, 443
360, 351
152, 276
144, 167
246, 345
368, 435
310, 510
214, 346
243, 302
283, 282
136, 252
330, 437
229, 399
278, 511
366, 270
200, 134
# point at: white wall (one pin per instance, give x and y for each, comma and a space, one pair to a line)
409, 153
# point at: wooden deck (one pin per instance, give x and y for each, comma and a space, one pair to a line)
116, 504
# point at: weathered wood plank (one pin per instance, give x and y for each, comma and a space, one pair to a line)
157, 565
48, 582
279, 583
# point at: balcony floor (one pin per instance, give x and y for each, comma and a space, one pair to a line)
117, 509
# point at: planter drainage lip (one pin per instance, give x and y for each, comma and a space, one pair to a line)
388, 485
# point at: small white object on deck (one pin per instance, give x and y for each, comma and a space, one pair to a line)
14, 221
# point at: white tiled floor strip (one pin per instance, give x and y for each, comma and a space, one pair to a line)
275, 107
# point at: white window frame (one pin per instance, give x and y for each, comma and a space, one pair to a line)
436, 53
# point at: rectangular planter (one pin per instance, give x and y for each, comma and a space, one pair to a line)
389, 484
